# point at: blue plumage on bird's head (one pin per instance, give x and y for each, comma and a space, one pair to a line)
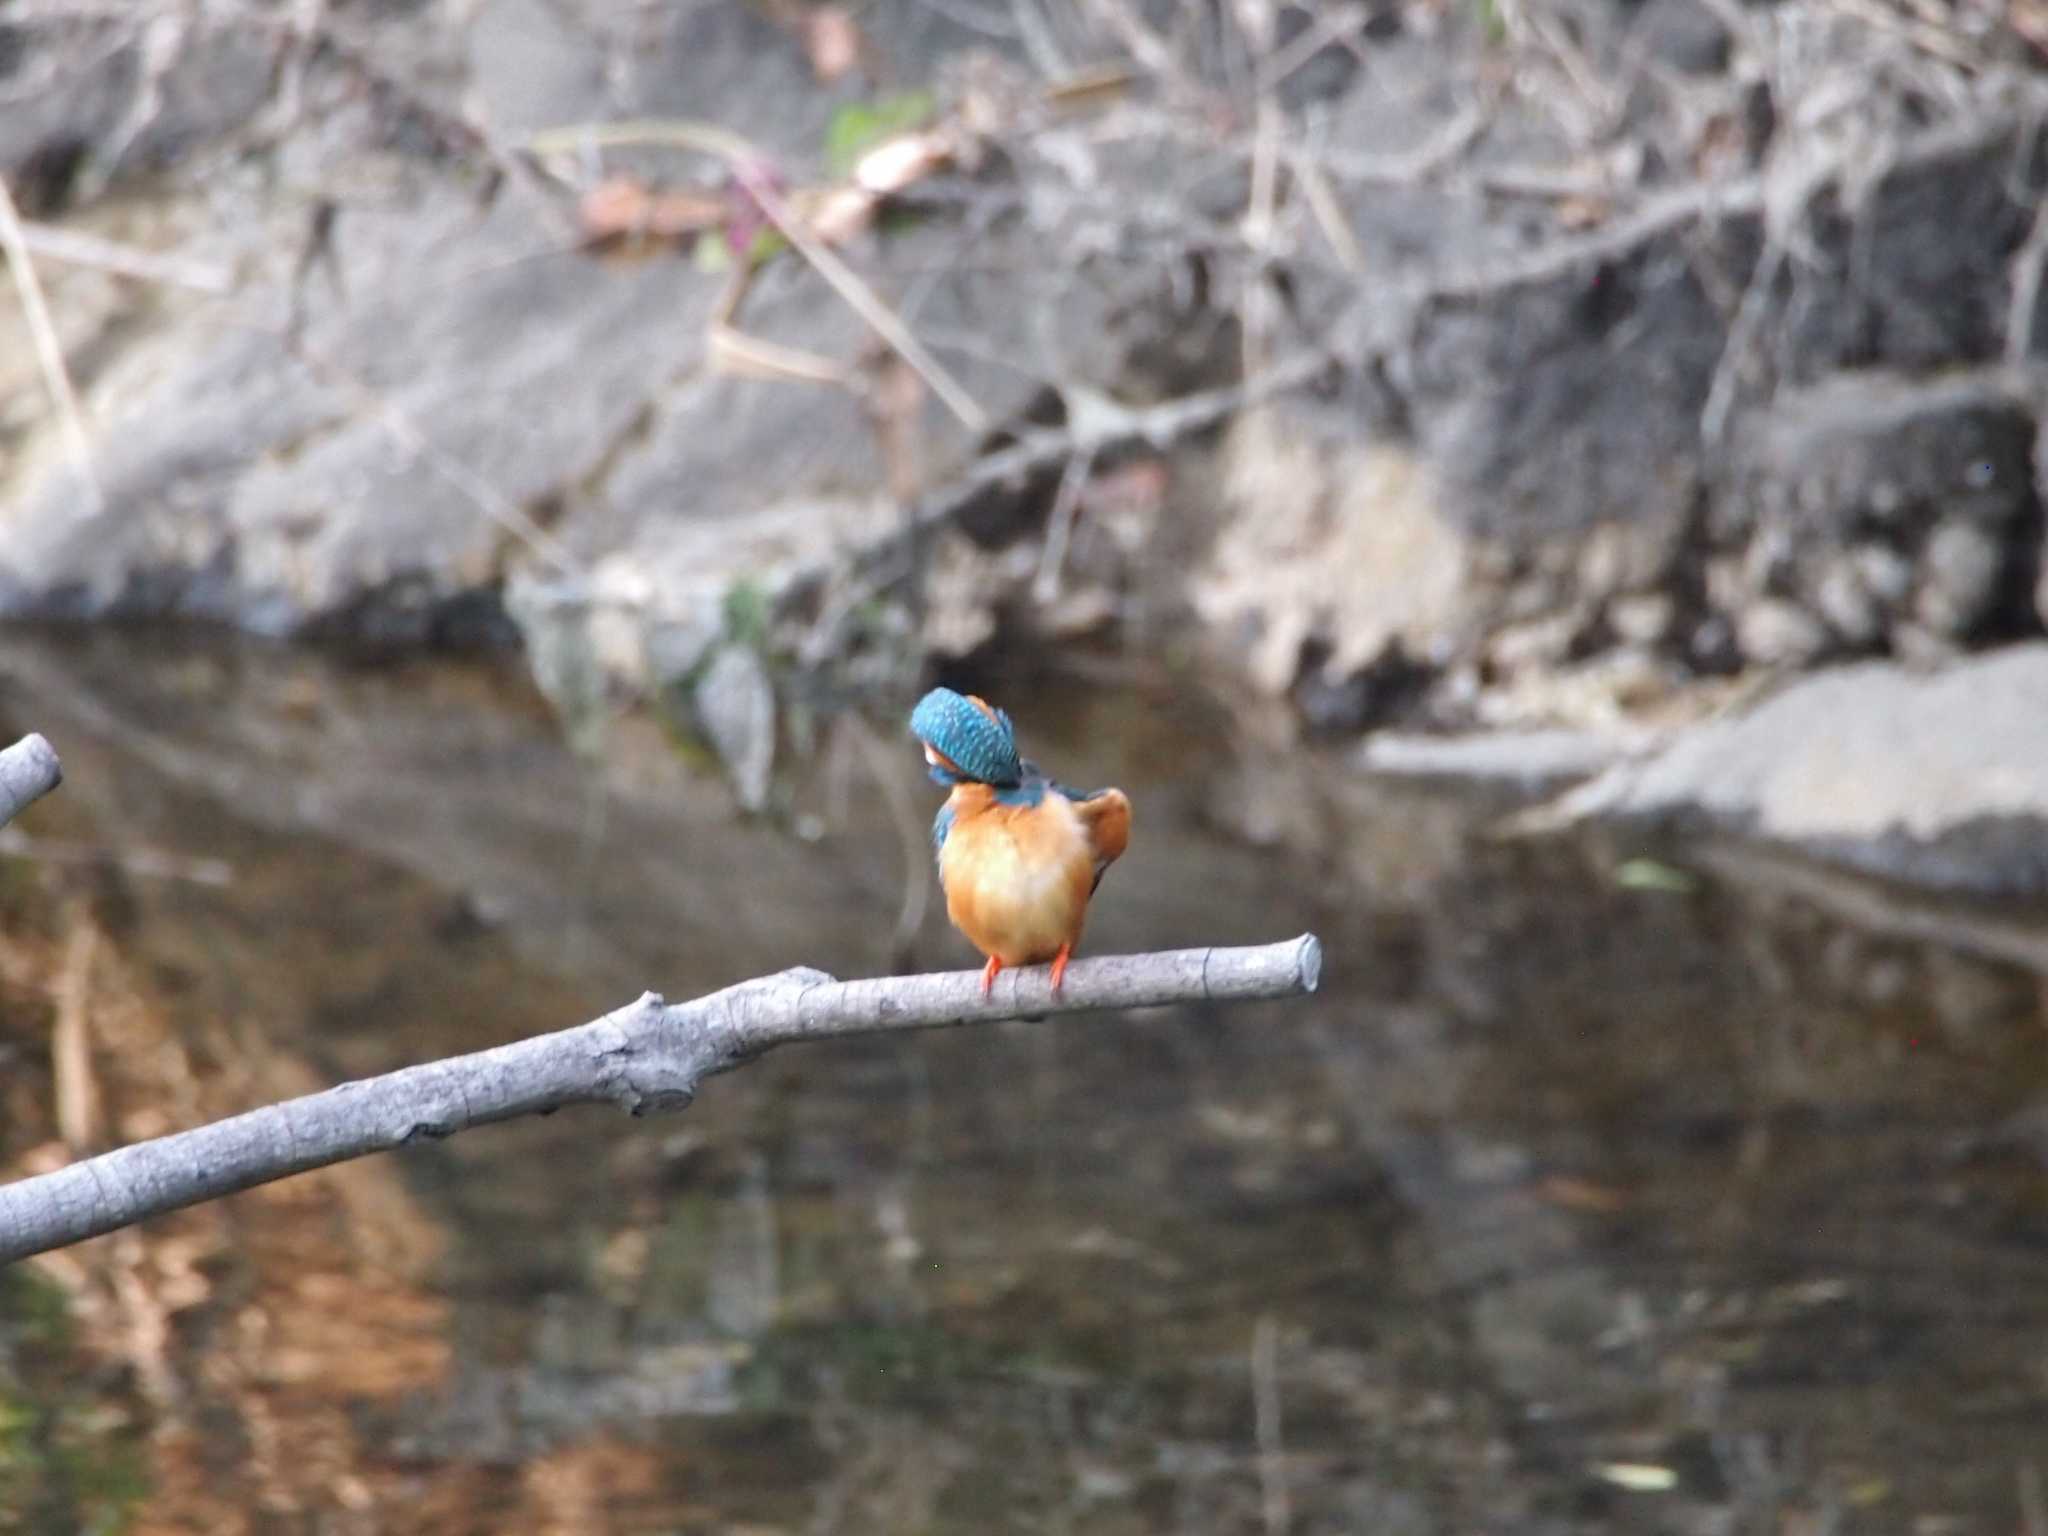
966, 740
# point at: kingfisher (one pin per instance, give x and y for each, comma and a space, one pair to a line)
1019, 855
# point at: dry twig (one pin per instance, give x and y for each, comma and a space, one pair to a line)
645, 1057
1273, 1499
1059, 526
49, 351
2027, 263
912, 827
76, 249
147, 863
471, 486
745, 162
77, 1085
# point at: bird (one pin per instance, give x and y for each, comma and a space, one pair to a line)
1019, 855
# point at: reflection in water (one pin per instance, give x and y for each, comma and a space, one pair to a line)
1565, 1206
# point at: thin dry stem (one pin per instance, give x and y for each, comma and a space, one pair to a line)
49, 351
1273, 1497
473, 487
78, 1089
1059, 531
745, 161
2027, 263
76, 249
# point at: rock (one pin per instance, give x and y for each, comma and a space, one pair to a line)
1877, 501
1886, 573
1644, 618
1960, 573
1534, 644
1774, 633
1329, 547
735, 703
98, 116
1508, 461
961, 584
1684, 34
1345, 702
1847, 605
1523, 759
565, 655
416, 451
1937, 779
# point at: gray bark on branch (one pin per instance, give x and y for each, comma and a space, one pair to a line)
647, 1056
29, 770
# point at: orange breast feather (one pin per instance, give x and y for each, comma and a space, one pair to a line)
1018, 878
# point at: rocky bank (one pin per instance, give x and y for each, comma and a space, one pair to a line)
1476, 365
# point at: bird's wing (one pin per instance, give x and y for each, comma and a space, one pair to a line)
1106, 818
942, 824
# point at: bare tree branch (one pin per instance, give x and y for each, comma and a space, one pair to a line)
29, 770
647, 1056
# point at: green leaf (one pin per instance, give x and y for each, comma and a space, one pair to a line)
1651, 875
711, 254
859, 126
748, 613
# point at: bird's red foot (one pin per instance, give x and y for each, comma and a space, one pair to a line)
1059, 965
988, 975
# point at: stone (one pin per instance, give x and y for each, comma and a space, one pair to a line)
735, 704
1335, 544
1775, 633
415, 454
1643, 618
1960, 573
1534, 644
1545, 759
1936, 778
1848, 606
1877, 500
1684, 34
473, 406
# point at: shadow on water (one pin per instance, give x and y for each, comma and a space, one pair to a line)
1703, 1202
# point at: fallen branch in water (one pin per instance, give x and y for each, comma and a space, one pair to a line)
29, 770
647, 1056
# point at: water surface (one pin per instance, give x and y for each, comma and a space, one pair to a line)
1709, 1201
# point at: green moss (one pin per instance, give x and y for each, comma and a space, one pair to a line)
62, 1467
34, 1311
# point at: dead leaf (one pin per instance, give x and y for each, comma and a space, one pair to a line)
1581, 1194
835, 214
902, 162
1583, 212
1092, 90
834, 42
624, 208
